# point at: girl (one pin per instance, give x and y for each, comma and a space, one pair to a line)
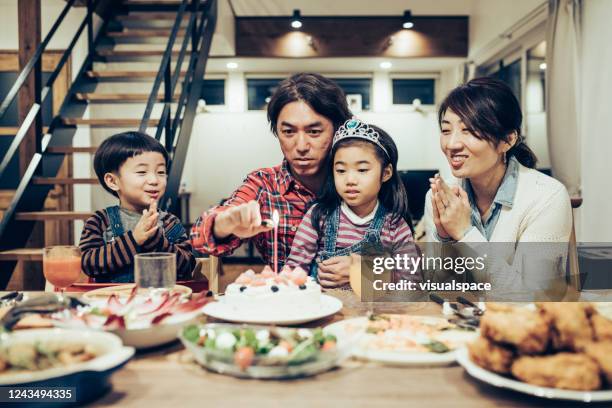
362, 202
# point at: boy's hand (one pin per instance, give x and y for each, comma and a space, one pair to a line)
243, 221
147, 225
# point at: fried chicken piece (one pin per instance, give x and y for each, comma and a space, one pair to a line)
602, 327
490, 356
500, 307
601, 353
525, 329
570, 371
571, 327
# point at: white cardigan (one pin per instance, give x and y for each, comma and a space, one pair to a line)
541, 213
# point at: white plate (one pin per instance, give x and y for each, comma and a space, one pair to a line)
220, 310
544, 392
403, 358
141, 335
112, 353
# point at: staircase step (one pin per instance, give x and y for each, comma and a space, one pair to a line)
135, 53
12, 130
152, 3
53, 215
100, 97
153, 15
71, 149
63, 180
6, 196
142, 32
22, 254
107, 122
124, 74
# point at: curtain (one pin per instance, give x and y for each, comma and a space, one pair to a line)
562, 91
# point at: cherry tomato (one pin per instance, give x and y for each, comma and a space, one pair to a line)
329, 345
244, 357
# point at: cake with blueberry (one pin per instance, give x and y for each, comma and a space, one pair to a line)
289, 292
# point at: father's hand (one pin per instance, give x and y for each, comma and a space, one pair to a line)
335, 272
243, 221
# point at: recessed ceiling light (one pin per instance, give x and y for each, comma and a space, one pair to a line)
543, 66
232, 65
386, 65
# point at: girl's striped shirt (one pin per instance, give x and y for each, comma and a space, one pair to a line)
395, 236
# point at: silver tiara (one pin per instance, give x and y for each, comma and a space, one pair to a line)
354, 128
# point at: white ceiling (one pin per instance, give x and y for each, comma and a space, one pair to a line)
353, 7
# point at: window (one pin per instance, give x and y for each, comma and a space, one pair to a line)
213, 91
407, 90
357, 91
260, 90
510, 74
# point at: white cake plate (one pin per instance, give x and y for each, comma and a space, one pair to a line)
222, 311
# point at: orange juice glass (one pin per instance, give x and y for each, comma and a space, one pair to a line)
62, 265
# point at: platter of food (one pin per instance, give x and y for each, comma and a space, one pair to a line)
141, 321
403, 339
289, 297
262, 352
555, 351
125, 291
83, 360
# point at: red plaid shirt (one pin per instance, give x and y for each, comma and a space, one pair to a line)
274, 188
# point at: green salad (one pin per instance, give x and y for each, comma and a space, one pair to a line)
261, 346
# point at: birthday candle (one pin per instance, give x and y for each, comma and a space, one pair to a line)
275, 219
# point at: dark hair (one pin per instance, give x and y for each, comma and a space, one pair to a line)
488, 107
392, 194
115, 150
322, 94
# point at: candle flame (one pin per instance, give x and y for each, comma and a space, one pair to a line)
275, 218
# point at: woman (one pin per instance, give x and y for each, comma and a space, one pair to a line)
501, 197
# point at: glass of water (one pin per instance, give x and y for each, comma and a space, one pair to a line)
155, 270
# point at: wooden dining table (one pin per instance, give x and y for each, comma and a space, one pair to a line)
168, 376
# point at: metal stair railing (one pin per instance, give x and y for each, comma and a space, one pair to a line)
176, 127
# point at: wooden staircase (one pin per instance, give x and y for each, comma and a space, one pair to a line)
128, 52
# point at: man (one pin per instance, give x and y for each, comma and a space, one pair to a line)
303, 113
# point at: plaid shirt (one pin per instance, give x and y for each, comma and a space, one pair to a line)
273, 188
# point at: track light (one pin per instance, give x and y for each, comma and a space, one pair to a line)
408, 23
296, 21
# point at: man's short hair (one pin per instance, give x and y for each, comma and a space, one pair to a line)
322, 94
115, 150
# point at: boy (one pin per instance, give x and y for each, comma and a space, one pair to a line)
132, 166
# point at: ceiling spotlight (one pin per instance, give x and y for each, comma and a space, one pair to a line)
232, 65
407, 23
296, 21
543, 66
386, 65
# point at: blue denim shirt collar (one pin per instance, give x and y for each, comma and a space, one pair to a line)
507, 189
504, 197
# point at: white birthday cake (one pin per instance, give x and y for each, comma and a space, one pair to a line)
290, 292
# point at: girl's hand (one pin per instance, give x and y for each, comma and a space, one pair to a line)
334, 272
453, 208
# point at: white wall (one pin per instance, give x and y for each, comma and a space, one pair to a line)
225, 146
490, 18
596, 140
